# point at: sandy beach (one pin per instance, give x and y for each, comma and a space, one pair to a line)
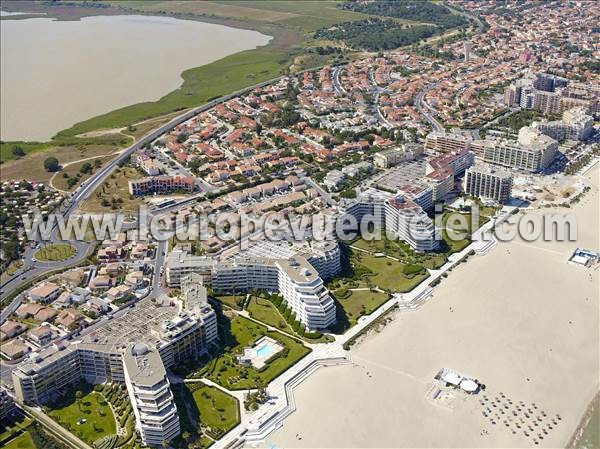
520, 319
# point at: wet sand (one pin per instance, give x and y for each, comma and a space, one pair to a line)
520, 319
57, 73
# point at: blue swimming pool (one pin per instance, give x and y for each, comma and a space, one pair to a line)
265, 350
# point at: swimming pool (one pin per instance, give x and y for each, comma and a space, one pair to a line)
264, 350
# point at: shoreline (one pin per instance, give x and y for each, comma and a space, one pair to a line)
282, 39
584, 422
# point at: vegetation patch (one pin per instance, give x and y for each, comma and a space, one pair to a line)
85, 413
113, 194
55, 252
361, 302
237, 333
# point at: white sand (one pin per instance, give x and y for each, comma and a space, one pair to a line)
519, 312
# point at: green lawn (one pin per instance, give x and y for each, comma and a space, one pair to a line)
205, 412
388, 274
217, 409
361, 302
12, 427
237, 333
56, 252
100, 420
402, 251
233, 301
264, 310
23, 441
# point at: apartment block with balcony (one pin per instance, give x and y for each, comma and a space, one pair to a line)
410, 223
488, 182
150, 394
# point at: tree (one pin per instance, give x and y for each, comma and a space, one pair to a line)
78, 396
86, 168
185, 436
51, 164
166, 443
18, 151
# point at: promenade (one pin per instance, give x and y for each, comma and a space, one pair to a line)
257, 426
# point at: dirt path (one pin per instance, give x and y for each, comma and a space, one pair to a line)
66, 164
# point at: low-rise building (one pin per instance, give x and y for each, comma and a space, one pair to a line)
161, 184
45, 292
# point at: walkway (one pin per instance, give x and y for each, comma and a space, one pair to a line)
256, 426
55, 428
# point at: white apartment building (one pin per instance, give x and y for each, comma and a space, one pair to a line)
576, 124
489, 182
305, 294
401, 216
303, 291
179, 333
150, 394
410, 223
532, 152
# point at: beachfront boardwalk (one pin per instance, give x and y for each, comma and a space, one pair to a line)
256, 426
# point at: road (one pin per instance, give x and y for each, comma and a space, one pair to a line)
32, 269
337, 86
427, 110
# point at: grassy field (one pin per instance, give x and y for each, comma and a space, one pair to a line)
233, 301
263, 310
237, 333
389, 275
66, 144
52, 253
32, 166
114, 194
307, 15
23, 441
99, 418
216, 408
361, 302
204, 410
142, 128
60, 182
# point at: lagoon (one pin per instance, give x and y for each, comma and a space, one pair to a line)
57, 73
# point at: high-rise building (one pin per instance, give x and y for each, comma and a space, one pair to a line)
300, 283
150, 394
410, 223
134, 348
489, 182
575, 125
468, 46
533, 151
